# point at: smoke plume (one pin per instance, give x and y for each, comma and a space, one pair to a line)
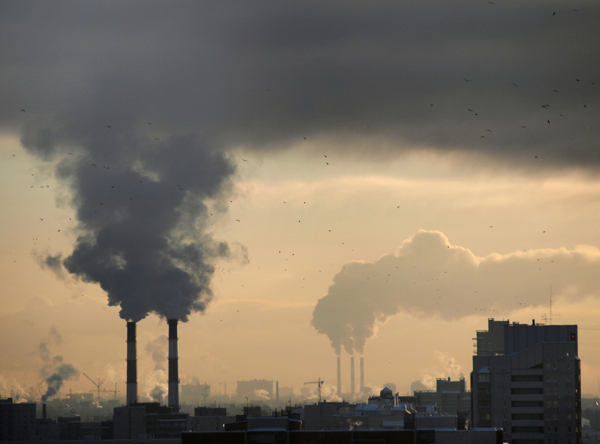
158, 393
55, 380
54, 370
141, 207
52, 263
428, 276
157, 348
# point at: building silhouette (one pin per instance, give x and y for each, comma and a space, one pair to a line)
526, 380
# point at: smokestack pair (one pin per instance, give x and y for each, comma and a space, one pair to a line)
173, 396
339, 375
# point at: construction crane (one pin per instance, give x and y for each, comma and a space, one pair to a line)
97, 384
204, 394
319, 384
224, 384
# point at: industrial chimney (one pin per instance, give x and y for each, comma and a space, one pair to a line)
339, 377
352, 377
173, 370
362, 374
131, 365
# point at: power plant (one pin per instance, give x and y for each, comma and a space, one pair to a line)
352, 377
173, 396
339, 376
131, 364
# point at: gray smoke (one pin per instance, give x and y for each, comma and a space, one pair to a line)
55, 380
143, 219
157, 348
53, 263
142, 214
428, 276
54, 370
158, 393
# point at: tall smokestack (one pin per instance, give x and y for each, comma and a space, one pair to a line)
173, 367
131, 364
362, 374
277, 391
352, 377
44, 411
339, 377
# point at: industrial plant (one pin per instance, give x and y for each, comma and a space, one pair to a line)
525, 387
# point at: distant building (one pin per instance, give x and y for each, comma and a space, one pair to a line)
528, 382
450, 397
255, 389
149, 419
207, 419
194, 394
17, 421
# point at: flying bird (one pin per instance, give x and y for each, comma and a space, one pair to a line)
22, 110
110, 126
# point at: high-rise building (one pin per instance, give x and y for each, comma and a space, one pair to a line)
527, 381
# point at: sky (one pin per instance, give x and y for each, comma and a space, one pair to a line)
293, 181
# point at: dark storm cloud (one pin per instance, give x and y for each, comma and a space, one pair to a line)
429, 277
267, 74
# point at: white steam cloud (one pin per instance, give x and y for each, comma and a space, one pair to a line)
428, 276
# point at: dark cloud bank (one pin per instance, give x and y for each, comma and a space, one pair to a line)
428, 276
138, 104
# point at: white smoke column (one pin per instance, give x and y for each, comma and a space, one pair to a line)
428, 276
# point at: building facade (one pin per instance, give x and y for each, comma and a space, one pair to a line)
527, 381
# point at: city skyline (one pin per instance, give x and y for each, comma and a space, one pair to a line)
282, 162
